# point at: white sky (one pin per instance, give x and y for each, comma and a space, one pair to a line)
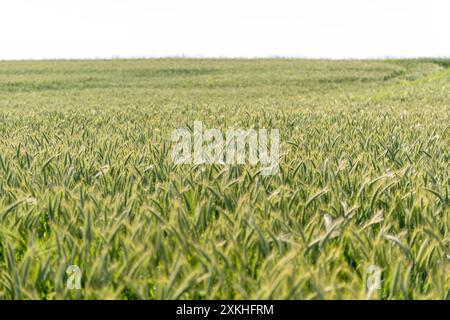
233, 28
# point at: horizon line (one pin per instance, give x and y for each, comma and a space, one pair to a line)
215, 57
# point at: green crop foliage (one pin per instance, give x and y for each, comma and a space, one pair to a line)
86, 179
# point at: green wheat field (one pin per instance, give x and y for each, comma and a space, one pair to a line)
86, 179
